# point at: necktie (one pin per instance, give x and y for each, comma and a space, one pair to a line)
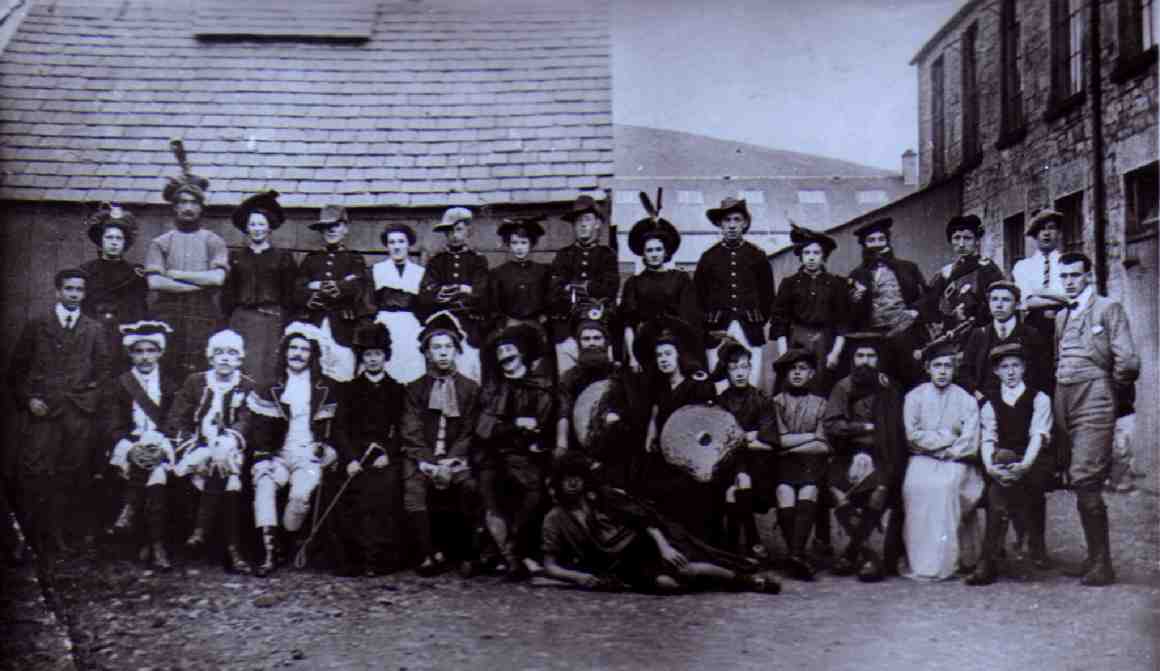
1046, 272
69, 319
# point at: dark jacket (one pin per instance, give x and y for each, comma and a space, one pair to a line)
270, 417
976, 370
115, 291
420, 424
519, 290
193, 401
59, 366
735, 282
963, 282
349, 271
370, 413
448, 268
259, 279
886, 445
504, 400
595, 264
120, 393
817, 301
910, 281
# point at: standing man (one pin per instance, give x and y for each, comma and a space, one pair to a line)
975, 373
1038, 274
1097, 366
583, 273
958, 293
185, 267
735, 285
457, 281
292, 436
59, 366
885, 293
330, 291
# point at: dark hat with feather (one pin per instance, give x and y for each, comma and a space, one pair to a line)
653, 226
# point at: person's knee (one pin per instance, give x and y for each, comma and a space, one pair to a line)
665, 583
808, 493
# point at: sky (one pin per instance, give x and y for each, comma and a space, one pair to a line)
828, 77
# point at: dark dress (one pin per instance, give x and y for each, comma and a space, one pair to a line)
652, 294
754, 411
259, 288
115, 294
812, 311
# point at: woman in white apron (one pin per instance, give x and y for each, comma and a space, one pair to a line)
396, 286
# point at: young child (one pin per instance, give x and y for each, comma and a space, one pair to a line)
1014, 426
754, 412
804, 453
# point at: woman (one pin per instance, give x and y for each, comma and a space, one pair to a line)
259, 285
674, 381
519, 289
396, 286
656, 291
116, 289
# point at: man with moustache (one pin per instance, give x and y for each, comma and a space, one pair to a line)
958, 293
885, 296
735, 285
863, 420
293, 437
185, 267
513, 433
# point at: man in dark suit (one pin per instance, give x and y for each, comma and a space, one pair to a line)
58, 367
975, 371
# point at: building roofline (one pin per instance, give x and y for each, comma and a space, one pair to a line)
947, 27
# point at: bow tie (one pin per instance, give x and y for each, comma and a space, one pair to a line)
1073, 305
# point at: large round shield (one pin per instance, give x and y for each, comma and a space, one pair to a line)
699, 439
589, 411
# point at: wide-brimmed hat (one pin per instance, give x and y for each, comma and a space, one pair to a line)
265, 203
111, 215
964, 222
529, 226
800, 237
452, 216
583, 203
661, 330
328, 216
791, 356
1042, 217
729, 205
660, 229
399, 228
882, 225
525, 337
371, 336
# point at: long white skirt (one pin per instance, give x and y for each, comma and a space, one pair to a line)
941, 531
407, 363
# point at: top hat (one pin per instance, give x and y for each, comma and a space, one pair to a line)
371, 336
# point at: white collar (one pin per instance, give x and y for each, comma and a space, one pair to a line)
151, 376
218, 386
375, 378
258, 249
63, 313
1084, 299
1011, 394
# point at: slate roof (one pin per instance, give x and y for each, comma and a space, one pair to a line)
447, 102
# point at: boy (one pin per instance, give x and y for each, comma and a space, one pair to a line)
803, 452
1014, 425
752, 409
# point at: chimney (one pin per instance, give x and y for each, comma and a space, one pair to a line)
910, 168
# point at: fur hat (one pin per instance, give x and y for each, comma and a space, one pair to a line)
265, 203
144, 331
523, 336
371, 336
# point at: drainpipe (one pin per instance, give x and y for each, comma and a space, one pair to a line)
1099, 194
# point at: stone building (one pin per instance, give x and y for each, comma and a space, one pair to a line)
393, 108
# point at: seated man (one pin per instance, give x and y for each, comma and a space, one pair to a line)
439, 411
512, 448
602, 538
292, 436
135, 410
207, 425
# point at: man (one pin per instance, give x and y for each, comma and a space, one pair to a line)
603, 445
439, 413
957, 297
735, 285
185, 267
512, 433
293, 436
369, 413
584, 274
1038, 275
885, 293
59, 366
976, 372
456, 280
863, 421
1097, 366
135, 408
207, 425
330, 291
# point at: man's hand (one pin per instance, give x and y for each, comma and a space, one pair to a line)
611, 418
37, 407
527, 423
833, 359
428, 469
868, 427
587, 580
465, 289
961, 312
353, 468
673, 557
330, 289
381, 462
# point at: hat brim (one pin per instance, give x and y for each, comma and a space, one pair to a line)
661, 229
323, 225
787, 360
716, 214
572, 216
264, 203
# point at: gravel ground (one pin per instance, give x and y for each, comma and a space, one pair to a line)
120, 617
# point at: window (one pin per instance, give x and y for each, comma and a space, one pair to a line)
1137, 39
937, 125
1142, 198
1067, 41
815, 211
872, 197
1011, 57
812, 197
971, 152
690, 198
626, 197
1014, 245
1071, 229
753, 197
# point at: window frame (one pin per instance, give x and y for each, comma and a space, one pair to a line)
972, 147
1069, 44
938, 146
1012, 118
1133, 56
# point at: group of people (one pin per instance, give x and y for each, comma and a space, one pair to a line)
522, 418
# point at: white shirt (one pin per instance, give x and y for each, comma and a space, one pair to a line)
151, 383
211, 423
64, 316
1041, 417
1028, 274
941, 423
297, 396
1083, 301
1004, 329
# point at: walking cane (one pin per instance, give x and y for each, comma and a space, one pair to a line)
300, 559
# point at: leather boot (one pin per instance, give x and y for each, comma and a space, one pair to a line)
785, 522
207, 509
893, 547
804, 514
238, 563
155, 507
1094, 517
984, 573
270, 546
125, 520
1036, 514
